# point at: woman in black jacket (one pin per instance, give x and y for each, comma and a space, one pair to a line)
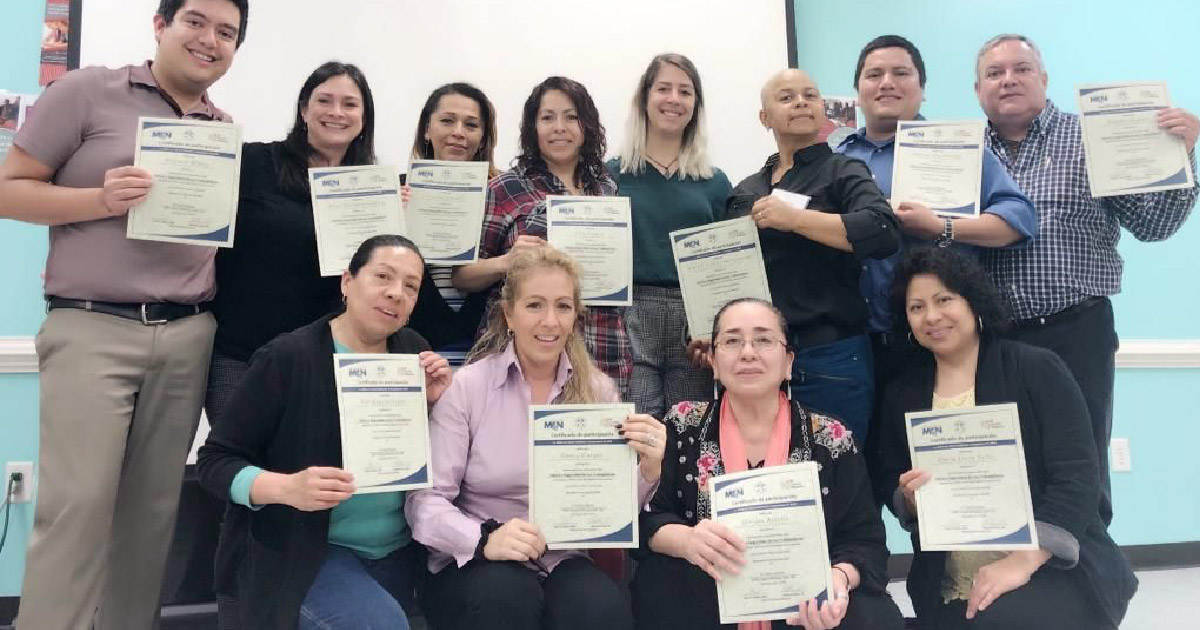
754, 424
1078, 578
311, 554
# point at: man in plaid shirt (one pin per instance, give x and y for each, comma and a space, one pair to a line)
1058, 287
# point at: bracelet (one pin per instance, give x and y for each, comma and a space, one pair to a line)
844, 574
947, 236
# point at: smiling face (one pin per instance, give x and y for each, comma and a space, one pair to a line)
455, 128
1011, 83
941, 320
334, 113
889, 88
197, 47
671, 102
792, 106
560, 137
542, 315
381, 296
762, 362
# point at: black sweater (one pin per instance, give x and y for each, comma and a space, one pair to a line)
282, 418
1060, 458
852, 522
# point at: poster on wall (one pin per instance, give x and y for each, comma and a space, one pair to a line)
60, 40
14, 108
841, 119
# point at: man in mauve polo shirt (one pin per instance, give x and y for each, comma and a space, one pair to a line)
123, 353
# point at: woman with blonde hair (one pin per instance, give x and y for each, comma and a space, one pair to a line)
664, 170
490, 565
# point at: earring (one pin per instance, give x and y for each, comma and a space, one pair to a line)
980, 320
509, 333
716, 392
787, 386
911, 339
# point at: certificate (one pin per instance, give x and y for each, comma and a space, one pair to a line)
445, 212
717, 263
939, 164
196, 165
596, 232
350, 205
1126, 151
384, 421
978, 498
582, 477
778, 513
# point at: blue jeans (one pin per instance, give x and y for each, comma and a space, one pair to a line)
837, 379
353, 593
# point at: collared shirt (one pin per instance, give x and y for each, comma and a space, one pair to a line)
516, 205
998, 195
479, 435
1075, 255
86, 124
814, 285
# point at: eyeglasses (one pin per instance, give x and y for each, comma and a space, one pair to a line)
760, 343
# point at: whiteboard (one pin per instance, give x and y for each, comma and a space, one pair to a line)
505, 47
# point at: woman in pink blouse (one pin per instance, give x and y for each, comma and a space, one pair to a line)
491, 567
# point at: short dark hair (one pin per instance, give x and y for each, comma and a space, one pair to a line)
295, 149
590, 169
423, 149
168, 8
364, 252
961, 274
891, 41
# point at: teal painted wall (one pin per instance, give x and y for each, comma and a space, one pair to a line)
1081, 42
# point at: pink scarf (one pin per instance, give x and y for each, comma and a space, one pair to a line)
733, 454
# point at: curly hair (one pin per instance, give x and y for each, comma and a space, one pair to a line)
590, 170
962, 275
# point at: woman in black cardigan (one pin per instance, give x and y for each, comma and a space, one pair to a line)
300, 549
674, 585
1078, 578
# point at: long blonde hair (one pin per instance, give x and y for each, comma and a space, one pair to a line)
693, 155
580, 386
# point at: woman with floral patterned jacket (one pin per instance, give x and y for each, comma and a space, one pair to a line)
753, 424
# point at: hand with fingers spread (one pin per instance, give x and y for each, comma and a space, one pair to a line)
1006, 574
715, 549
437, 375
648, 437
516, 541
909, 482
124, 188
317, 488
1182, 123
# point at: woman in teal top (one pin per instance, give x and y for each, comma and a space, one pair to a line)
301, 549
664, 170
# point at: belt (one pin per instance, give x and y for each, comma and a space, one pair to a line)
1067, 314
148, 313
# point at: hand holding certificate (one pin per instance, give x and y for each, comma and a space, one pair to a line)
1127, 152
940, 165
717, 263
196, 166
582, 477
445, 213
596, 232
384, 421
350, 205
978, 497
777, 511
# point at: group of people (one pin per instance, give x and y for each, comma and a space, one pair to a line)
1010, 306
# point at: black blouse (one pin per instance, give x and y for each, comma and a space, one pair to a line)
693, 457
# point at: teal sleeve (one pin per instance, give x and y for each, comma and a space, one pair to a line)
239, 490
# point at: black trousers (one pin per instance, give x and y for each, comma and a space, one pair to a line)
1051, 600
1085, 338
890, 353
509, 596
673, 594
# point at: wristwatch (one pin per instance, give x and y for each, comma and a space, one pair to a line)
947, 236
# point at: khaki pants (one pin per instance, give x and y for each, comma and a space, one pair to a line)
119, 404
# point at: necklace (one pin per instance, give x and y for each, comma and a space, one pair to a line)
664, 168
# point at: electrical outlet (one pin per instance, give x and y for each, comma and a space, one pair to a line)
1120, 458
22, 490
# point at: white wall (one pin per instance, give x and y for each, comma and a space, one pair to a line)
408, 48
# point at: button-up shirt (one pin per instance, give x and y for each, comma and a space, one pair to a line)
479, 435
85, 124
999, 195
1075, 255
516, 205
